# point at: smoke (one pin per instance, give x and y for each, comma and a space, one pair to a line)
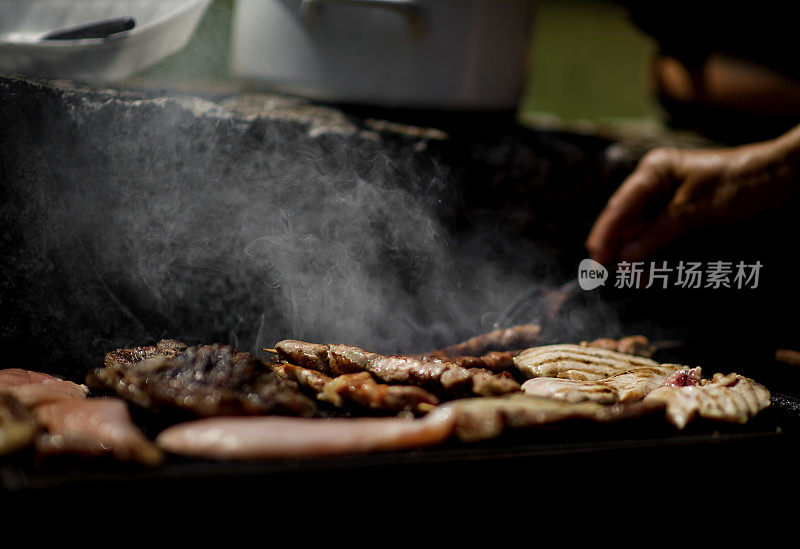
186, 219
260, 218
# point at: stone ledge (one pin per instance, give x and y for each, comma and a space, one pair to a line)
128, 216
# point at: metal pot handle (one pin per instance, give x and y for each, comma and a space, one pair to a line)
409, 9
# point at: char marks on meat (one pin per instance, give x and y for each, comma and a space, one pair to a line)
581, 363
438, 376
94, 427
361, 390
622, 388
205, 380
732, 398
18, 426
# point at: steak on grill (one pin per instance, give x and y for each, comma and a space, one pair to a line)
205, 380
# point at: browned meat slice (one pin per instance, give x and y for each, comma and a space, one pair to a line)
732, 398
361, 389
305, 377
17, 425
32, 388
788, 356
623, 388
504, 339
205, 380
487, 418
631, 345
440, 377
581, 363
93, 427
250, 438
495, 361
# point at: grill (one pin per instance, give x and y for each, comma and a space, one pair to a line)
200, 237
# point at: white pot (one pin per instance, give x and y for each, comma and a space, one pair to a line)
162, 27
440, 54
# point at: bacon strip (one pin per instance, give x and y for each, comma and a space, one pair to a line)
438, 376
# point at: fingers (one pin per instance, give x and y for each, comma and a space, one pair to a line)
622, 216
667, 227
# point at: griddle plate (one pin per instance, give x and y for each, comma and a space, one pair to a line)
765, 443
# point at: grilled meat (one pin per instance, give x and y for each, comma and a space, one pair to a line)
504, 339
570, 390
787, 356
93, 427
625, 387
581, 363
205, 380
32, 388
685, 377
360, 389
305, 377
495, 361
17, 425
732, 398
247, 438
487, 418
632, 345
439, 376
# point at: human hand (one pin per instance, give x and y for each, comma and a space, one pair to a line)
674, 190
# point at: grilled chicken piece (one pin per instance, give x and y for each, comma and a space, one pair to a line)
504, 339
487, 418
440, 377
250, 438
581, 363
17, 425
93, 427
205, 380
570, 390
632, 345
360, 389
32, 388
732, 398
626, 387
